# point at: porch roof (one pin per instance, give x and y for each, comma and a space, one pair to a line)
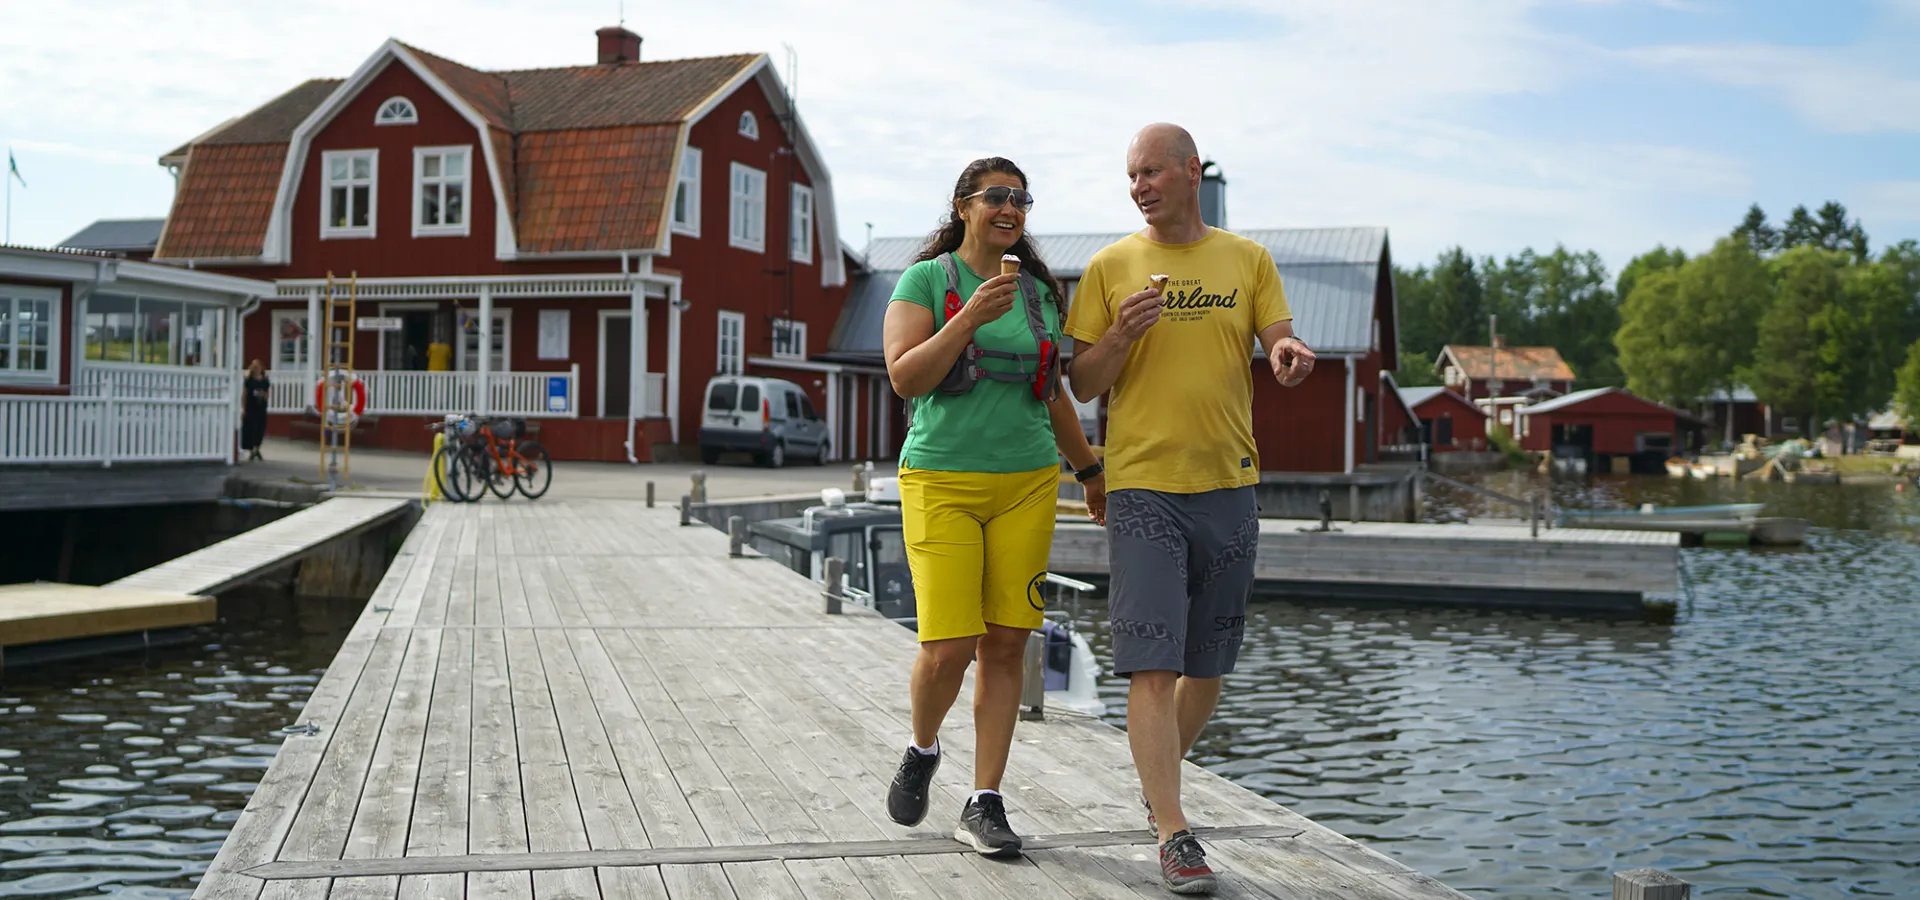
104, 269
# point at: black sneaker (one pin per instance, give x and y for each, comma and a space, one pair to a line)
1183, 865
983, 826
907, 798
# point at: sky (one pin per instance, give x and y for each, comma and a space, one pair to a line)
1494, 125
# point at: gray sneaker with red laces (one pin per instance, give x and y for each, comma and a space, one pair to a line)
1183, 865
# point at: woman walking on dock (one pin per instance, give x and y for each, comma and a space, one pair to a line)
253, 415
979, 476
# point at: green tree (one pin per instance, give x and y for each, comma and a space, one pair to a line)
1414, 295
1906, 398
1754, 229
1651, 261
1416, 369
1689, 330
1458, 309
1832, 231
1823, 352
1903, 259
1649, 353
1800, 229
1876, 301
1572, 309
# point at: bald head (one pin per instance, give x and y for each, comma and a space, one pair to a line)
1166, 140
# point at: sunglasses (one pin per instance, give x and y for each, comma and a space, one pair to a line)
998, 196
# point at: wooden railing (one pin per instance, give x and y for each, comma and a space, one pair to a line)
106, 429
528, 394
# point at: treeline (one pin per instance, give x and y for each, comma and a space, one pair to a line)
1803, 314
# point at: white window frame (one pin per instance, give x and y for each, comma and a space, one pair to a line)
463, 360
327, 231
404, 112
749, 125
730, 358
464, 180
688, 182
800, 223
795, 345
276, 363
556, 334
10, 297
747, 208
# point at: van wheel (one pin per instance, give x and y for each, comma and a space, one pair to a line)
820, 454
777, 457
709, 455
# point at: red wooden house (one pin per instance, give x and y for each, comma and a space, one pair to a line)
1502, 371
1601, 424
1448, 421
583, 246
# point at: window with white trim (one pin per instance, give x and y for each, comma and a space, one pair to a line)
749, 126
153, 331
748, 229
731, 358
29, 333
686, 195
440, 190
289, 340
468, 350
349, 190
800, 223
397, 111
789, 339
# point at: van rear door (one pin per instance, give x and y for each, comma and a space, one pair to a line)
722, 404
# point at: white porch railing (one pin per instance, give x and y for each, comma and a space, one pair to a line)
155, 382
528, 394
656, 389
105, 429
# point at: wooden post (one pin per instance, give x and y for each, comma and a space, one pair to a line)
1648, 884
1420, 493
857, 485
649, 495
1533, 513
1033, 678
736, 536
686, 510
699, 492
836, 576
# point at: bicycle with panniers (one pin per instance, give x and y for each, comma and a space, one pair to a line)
489, 453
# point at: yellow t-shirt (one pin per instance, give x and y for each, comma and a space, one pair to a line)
1180, 416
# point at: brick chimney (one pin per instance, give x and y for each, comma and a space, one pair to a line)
1499, 342
618, 45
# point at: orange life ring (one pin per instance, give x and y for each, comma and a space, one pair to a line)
359, 405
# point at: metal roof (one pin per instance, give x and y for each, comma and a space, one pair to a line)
1578, 397
862, 317
1414, 396
1330, 276
118, 234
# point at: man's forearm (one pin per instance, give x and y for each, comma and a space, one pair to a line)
1095, 368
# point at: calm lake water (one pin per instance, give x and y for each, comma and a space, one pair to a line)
1766, 743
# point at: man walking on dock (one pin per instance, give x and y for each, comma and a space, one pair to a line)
1166, 318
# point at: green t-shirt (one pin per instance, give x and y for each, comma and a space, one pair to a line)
998, 426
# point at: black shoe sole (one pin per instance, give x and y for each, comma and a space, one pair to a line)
964, 836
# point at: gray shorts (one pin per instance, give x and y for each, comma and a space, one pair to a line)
1182, 570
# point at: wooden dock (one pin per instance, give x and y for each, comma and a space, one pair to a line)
43, 613
584, 699
213, 569
1501, 565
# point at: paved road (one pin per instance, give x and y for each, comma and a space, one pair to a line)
390, 470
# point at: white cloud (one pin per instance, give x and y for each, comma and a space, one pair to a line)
1887, 202
1849, 89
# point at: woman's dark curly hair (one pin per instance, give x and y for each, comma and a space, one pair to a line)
953, 229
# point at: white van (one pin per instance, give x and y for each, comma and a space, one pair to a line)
768, 417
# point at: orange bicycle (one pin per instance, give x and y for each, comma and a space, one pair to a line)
487, 454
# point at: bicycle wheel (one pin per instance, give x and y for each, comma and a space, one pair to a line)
533, 470
500, 474
462, 483
444, 461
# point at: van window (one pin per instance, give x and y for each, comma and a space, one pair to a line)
806, 408
793, 405
750, 398
721, 399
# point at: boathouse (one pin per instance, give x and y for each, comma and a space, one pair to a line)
1602, 425
590, 243
1448, 422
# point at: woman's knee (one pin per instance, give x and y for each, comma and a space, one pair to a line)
951, 655
1002, 646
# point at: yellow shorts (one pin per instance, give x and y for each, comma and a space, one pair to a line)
977, 543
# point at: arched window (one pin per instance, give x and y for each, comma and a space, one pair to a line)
396, 111
749, 126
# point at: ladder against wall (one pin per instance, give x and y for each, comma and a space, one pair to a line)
336, 412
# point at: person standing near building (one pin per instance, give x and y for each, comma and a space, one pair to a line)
253, 412
1166, 319
972, 339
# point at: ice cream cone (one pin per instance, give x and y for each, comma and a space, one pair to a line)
1009, 264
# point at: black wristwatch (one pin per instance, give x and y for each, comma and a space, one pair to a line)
1089, 473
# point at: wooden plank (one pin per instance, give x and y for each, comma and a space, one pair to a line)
381, 820
212, 569
554, 822
439, 814
34, 613
496, 811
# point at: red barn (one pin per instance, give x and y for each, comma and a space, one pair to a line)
1503, 371
1339, 284
583, 246
1603, 423
1448, 421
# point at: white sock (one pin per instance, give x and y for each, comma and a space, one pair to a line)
978, 794
927, 751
